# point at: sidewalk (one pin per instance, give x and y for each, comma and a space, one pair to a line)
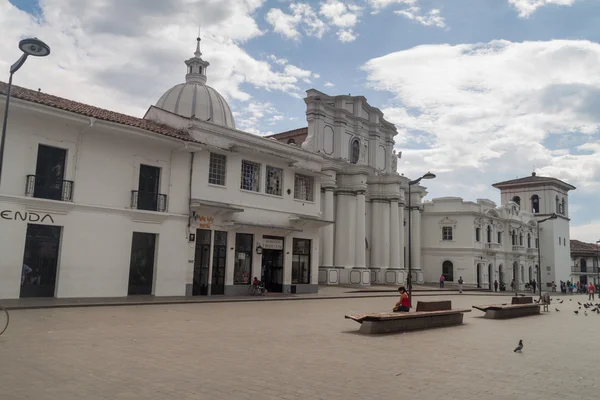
325, 292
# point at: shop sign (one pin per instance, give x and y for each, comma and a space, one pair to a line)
25, 216
203, 221
272, 244
241, 256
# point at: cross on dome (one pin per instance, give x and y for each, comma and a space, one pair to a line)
196, 67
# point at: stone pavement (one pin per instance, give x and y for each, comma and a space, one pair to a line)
325, 292
293, 350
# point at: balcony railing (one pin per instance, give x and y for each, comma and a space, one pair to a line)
518, 249
148, 201
42, 187
532, 250
493, 246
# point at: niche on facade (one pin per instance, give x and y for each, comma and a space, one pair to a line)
328, 140
354, 150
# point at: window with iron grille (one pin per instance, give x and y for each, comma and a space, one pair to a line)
217, 169
250, 176
303, 187
301, 261
274, 181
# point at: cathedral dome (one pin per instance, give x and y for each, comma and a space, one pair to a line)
196, 99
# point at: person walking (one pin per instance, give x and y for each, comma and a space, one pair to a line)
512, 285
496, 285
533, 285
442, 279
460, 284
591, 291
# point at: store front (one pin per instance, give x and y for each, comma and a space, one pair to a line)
272, 263
40, 261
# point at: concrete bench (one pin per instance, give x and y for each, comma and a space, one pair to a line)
520, 307
428, 315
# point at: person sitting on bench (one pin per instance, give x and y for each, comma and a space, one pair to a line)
404, 304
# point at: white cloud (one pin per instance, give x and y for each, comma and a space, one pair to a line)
304, 19
329, 84
302, 16
378, 5
277, 60
111, 55
431, 18
255, 114
528, 7
479, 112
589, 232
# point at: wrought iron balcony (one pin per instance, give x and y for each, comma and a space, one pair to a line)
42, 187
148, 201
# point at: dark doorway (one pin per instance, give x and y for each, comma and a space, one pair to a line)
272, 270
40, 261
201, 262
141, 268
478, 275
448, 271
219, 263
148, 188
491, 276
50, 172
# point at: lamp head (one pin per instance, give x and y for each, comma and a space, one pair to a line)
34, 47
428, 175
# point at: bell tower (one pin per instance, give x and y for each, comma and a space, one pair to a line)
543, 196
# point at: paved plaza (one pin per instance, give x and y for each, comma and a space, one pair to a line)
293, 350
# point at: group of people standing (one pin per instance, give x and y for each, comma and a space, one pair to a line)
580, 288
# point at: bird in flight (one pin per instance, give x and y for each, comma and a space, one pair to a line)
519, 346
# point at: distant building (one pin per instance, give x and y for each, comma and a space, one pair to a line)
584, 262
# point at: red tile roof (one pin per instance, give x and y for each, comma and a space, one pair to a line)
91, 111
579, 247
293, 132
532, 179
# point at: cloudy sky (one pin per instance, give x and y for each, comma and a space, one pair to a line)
480, 90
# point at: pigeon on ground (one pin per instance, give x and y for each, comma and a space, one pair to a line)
561, 301
521, 294
519, 347
579, 303
580, 308
557, 310
570, 299
585, 313
576, 312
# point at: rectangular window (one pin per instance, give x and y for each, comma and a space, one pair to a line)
49, 173
446, 233
499, 237
274, 181
301, 261
217, 169
477, 234
148, 196
243, 258
303, 187
559, 240
250, 176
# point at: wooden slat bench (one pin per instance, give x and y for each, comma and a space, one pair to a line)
519, 307
428, 315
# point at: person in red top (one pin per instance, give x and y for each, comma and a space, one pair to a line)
404, 304
591, 291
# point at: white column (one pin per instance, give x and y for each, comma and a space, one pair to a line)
359, 243
341, 230
385, 234
401, 238
376, 239
350, 235
394, 235
416, 239
328, 231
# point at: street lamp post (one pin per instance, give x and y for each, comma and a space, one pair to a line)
428, 175
29, 47
553, 216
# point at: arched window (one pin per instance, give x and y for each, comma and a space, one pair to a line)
291, 141
562, 207
489, 234
583, 265
190, 69
200, 70
517, 200
448, 271
477, 234
521, 239
528, 241
557, 205
513, 238
355, 151
535, 203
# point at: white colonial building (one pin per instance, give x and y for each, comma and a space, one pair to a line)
584, 262
96, 204
484, 243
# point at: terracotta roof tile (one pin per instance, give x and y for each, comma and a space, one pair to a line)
578, 246
290, 133
532, 179
91, 111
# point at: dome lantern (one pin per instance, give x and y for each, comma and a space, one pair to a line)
196, 67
